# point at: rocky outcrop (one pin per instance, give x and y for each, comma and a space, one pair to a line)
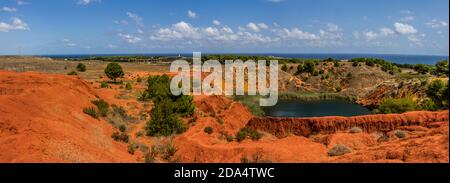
281, 127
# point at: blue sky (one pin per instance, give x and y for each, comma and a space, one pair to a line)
219, 26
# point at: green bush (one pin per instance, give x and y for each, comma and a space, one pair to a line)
401, 105
114, 71
247, 132
150, 156
142, 96
139, 79
104, 84
81, 67
131, 148
128, 86
220, 120
438, 92
208, 130
91, 112
164, 121
400, 134
428, 105
165, 116
169, 150
120, 137
72, 73
122, 128
338, 89
284, 67
339, 150
230, 138
102, 106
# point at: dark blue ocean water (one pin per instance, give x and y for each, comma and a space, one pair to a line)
400, 59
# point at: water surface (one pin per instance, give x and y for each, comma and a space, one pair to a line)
295, 108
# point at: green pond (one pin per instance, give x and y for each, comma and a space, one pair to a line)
295, 108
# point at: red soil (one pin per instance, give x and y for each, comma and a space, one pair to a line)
369, 123
42, 120
197, 146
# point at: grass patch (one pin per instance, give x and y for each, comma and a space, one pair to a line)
91, 112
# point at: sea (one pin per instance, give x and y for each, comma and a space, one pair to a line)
396, 58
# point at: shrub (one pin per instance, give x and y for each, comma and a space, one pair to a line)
81, 67
104, 84
339, 150
336, 64
244, 159
165, 116
114, 71
169, 150
131, 148
128, 86
208, 130
355, 64
120, 137
284, 68
338, 89
321, 72
355, 130
349, 75
245, 132
400, 134
230, 138
142, 96
438, 92
401, 105
422, 68
220, 120
122, 128
91, 112
151, 155
139, 79
428, 105
241, 135
102, 107
72, 73
164, 121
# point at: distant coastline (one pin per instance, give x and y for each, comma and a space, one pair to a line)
396, 58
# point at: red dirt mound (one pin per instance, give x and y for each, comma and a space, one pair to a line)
281, 127
42, 120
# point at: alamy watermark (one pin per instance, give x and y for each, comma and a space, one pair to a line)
192, 82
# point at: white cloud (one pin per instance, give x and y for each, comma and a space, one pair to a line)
252, 26
415, 40
296, 33
216, 22
386, 31
130, 38
136, 18
179, 30
403, 28
407, 19
407, 12
192, 14
17, 24
437, 24
21, 2
372, 35
8, 9
87, 2
256, 27
263, 26
68, 43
